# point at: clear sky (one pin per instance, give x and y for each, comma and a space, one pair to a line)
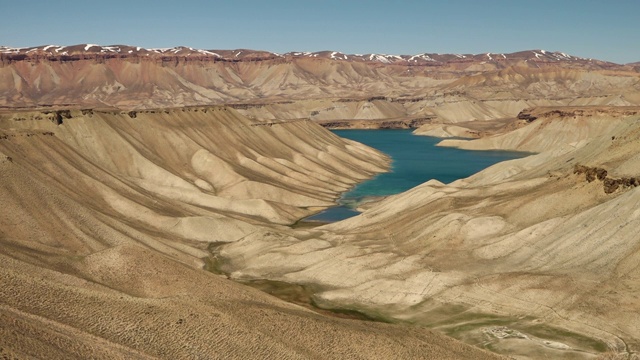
602, 29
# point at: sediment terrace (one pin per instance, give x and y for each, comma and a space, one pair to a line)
109, 218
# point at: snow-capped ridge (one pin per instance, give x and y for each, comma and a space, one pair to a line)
538, 55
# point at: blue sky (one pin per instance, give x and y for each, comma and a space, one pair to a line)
606, 30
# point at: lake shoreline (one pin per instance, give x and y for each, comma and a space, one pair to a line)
415, 159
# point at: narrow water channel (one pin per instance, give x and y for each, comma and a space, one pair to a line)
416, 160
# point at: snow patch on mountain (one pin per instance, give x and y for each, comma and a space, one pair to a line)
536, 55
424, 57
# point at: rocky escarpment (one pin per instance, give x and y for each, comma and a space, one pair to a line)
609, 184
375, 123
526, 115
532, 114
559, 128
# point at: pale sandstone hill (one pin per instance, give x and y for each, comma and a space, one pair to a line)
549, 128
533, 257
106, 222
183, 175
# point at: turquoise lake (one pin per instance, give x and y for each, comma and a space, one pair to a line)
416, 160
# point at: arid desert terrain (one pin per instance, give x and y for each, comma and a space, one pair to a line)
149, 195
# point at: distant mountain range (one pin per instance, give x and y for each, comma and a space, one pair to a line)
323, 85
245, 54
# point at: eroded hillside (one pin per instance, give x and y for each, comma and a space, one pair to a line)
200, 174
532, 257
320, 86
108, 216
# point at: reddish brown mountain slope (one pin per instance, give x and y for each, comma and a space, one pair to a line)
323, 86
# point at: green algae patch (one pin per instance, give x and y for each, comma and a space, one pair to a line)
303, 295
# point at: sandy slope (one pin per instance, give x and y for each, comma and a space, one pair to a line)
529, 244
131, 302
109, 217
178, 177
106, 222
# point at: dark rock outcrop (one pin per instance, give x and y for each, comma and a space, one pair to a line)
526, 115
609, 184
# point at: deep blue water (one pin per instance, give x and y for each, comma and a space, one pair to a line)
416, 160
